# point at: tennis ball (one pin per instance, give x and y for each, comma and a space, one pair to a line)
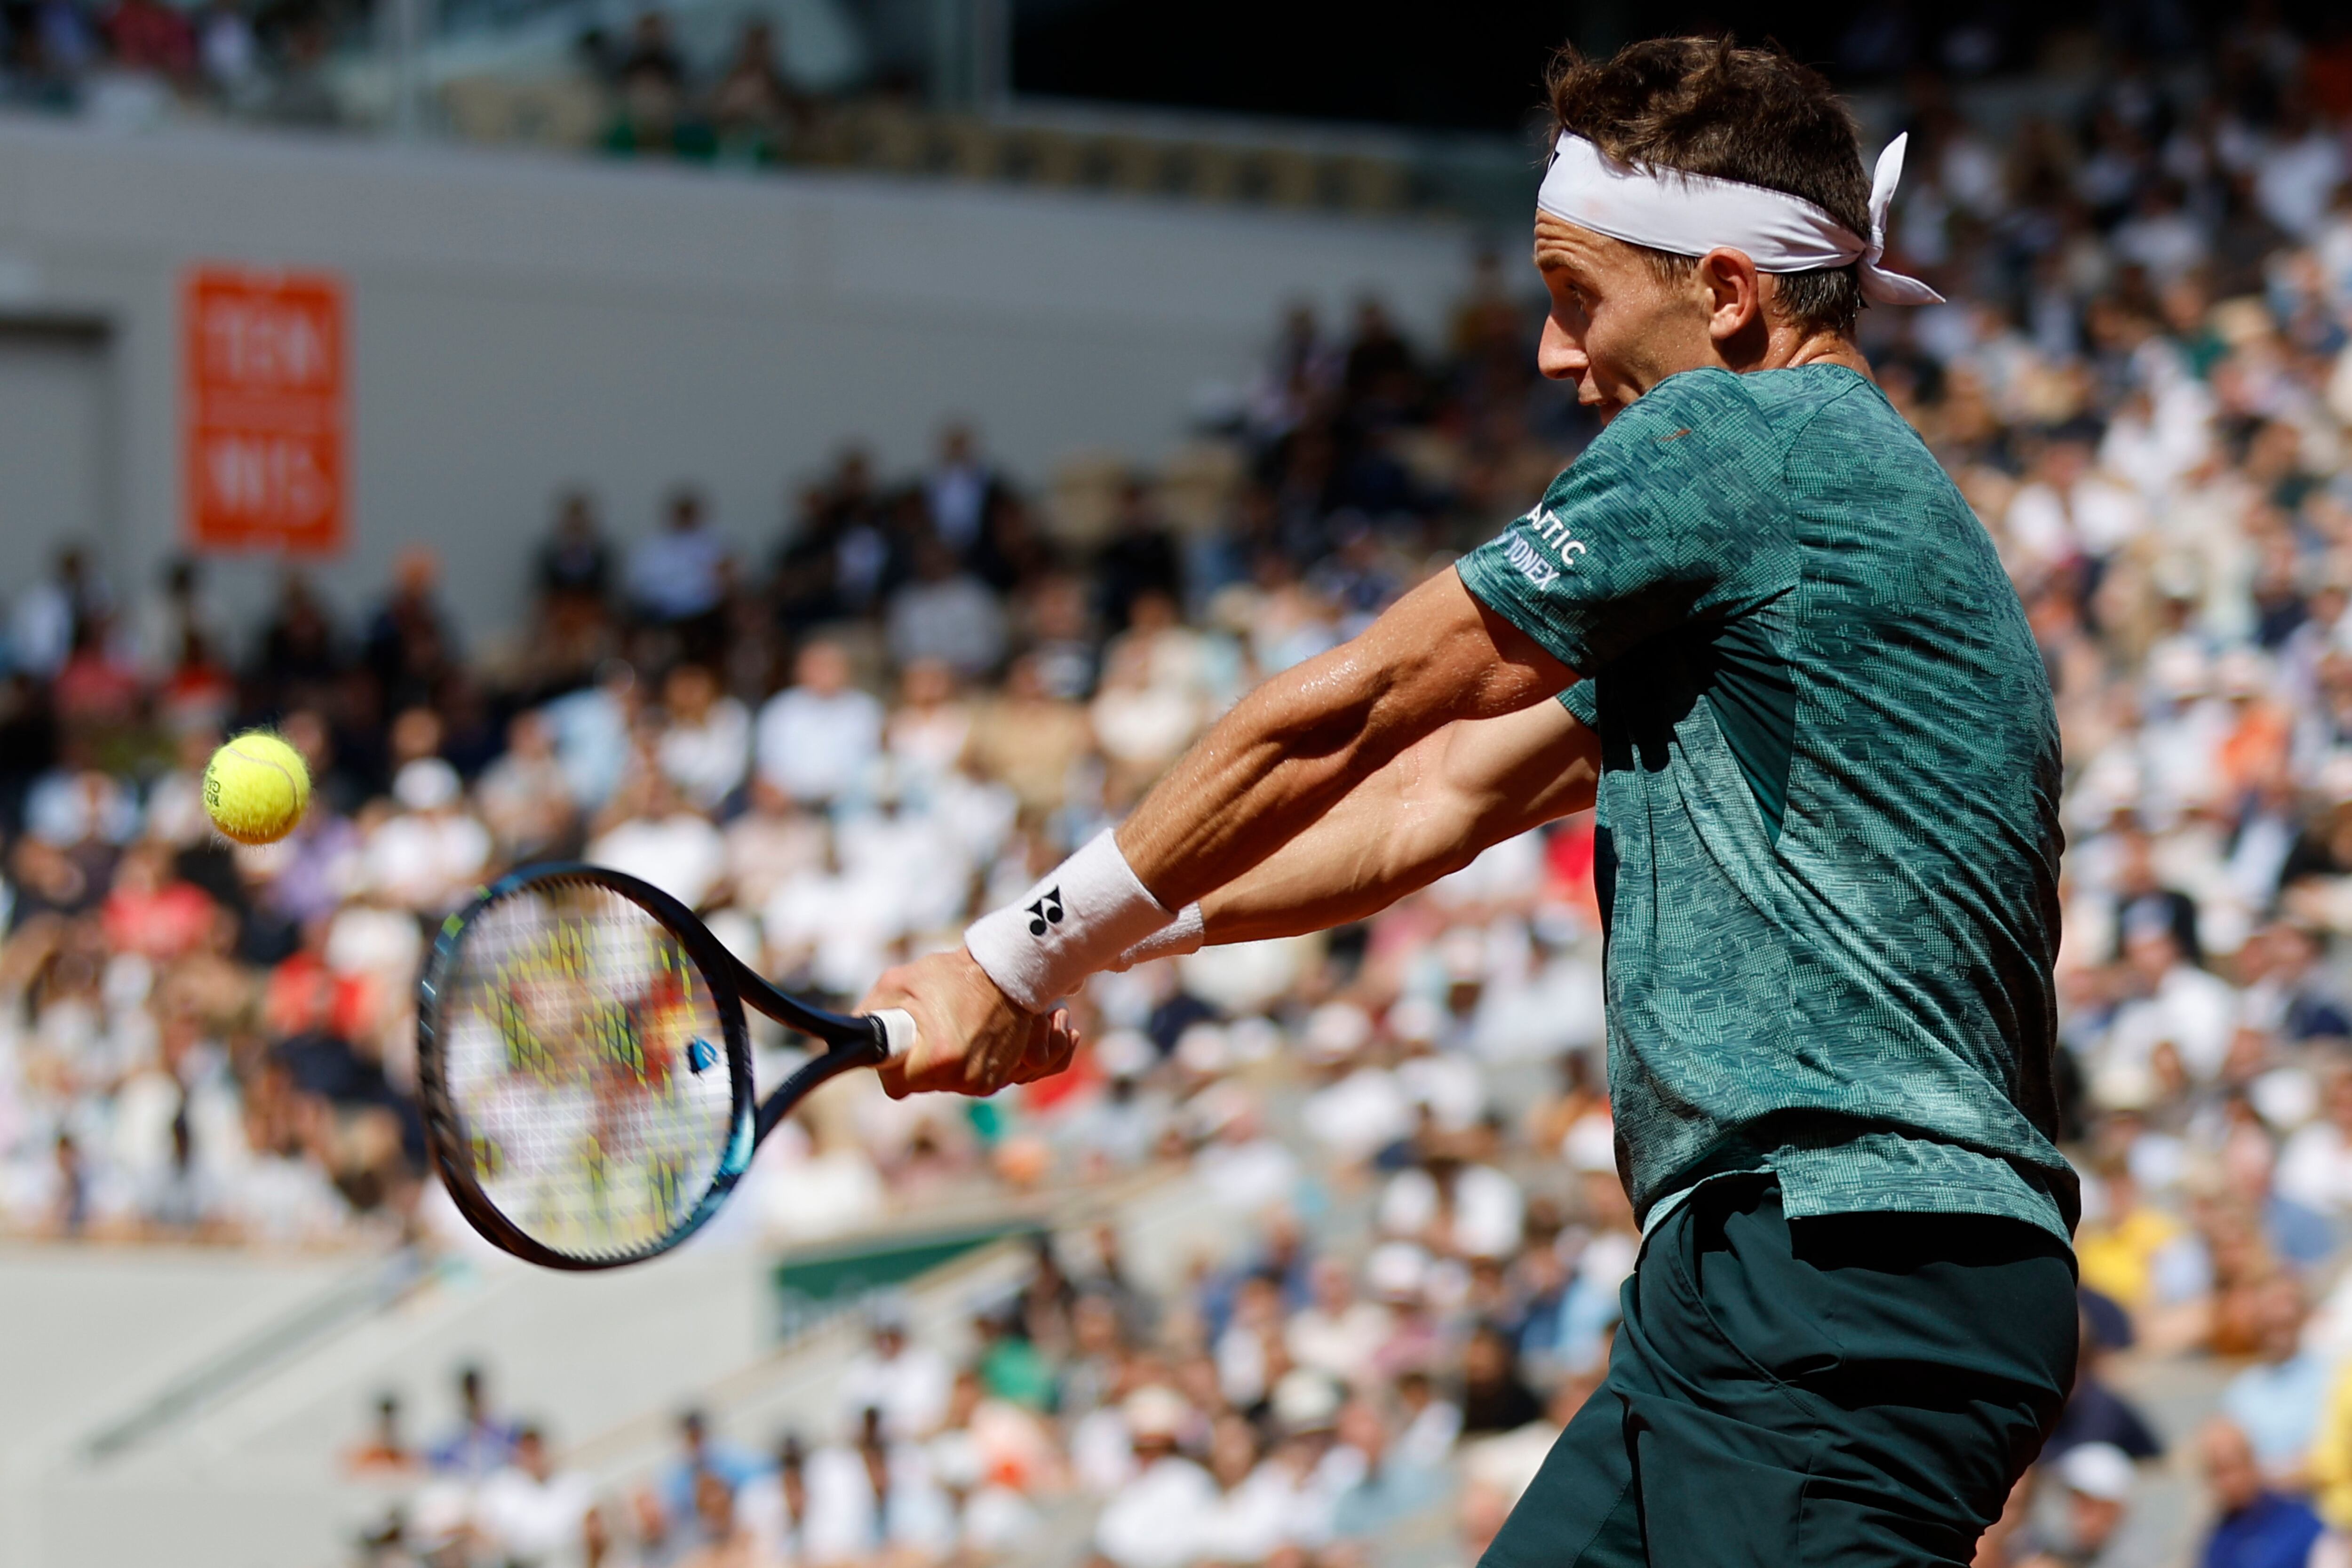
256, 787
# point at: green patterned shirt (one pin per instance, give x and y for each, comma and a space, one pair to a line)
1829, 838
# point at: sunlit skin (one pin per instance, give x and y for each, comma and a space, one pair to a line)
1616, 328
1343, 743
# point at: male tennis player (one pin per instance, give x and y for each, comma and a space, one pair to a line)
1827, 775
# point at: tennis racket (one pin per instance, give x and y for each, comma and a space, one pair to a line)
584, 1068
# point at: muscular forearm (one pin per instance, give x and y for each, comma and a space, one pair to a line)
1289, 752
1297, 745
1427, 812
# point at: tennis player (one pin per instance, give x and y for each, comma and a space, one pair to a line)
1760, 625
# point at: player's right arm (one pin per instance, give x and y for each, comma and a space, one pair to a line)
1427, 812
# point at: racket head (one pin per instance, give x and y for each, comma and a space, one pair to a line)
584, 1068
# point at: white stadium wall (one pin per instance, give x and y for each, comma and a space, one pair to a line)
519, 322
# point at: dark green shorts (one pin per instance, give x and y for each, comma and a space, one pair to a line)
1859, 1390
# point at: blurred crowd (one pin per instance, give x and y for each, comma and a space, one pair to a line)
136, 61
1300, 1402
932, 684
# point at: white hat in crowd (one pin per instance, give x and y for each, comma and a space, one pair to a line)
2098, 1470
428, 783
1155, 1411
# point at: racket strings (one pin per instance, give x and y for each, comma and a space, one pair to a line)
587, 1064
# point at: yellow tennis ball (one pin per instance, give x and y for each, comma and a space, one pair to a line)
256, 787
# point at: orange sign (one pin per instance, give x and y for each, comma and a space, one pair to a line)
267, 378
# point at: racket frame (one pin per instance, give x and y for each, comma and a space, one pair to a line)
850, 1041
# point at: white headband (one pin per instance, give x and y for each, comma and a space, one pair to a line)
1690, 215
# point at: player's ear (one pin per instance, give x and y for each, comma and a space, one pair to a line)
1734, 300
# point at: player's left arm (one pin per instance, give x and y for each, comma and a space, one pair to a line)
1429, 812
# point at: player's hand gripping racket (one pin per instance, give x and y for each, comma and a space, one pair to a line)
584, 1069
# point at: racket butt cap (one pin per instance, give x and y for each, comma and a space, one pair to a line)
897, 1030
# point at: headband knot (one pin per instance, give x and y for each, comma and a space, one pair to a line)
1689, 215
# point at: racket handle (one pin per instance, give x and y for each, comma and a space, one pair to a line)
897, 1030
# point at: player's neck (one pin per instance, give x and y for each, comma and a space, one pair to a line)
1785, 348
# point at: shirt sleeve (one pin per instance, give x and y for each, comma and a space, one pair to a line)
1673, 514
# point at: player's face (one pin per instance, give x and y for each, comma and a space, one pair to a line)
1616, 328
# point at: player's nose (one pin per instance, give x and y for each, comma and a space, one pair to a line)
1558, 355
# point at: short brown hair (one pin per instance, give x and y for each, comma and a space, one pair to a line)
1706, 106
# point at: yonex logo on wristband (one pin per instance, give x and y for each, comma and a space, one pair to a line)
1078, 919
1045, 912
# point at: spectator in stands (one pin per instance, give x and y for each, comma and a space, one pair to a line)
46, 615
908, 1383
1495, 1395
678, 577
1031, 741
706, 744
2171, 1003
410, 644
959, 491
383, 1452
2098, 1479
2254, 1525
720, 1540
299, 652
483, 1443
1141, 556
773, 1510
428, 851
529, 1513
815, 737
2276, 1403
1393, 1487
1154, 1519
1338, 1334
525, 797
575, 563
701, 1457
931, 728
757, 115
946, 613
650, 830
650, 80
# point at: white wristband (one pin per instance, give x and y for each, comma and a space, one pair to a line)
1180, 936
1076, 919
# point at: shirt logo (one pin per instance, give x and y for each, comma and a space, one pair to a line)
1541, 547
1529, 562
1552, 529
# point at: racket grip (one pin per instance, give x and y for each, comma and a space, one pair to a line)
897, 1030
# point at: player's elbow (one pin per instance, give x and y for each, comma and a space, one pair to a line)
1436, 829
1331, 713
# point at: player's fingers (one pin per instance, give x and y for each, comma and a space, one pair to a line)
948, 1065
996, 1056
937, 1059
891, 990
1053, 1052
1037, 1041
